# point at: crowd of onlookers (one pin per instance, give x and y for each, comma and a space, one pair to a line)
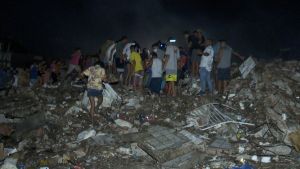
157, 69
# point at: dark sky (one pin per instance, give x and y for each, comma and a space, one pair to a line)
55, 27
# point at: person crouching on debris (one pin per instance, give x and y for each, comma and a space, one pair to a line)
96, 75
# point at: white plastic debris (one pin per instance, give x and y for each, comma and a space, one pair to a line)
246, 67
9, 151
254, 158
123, 123
231, 95
133, 102
86, 134
73, 110
109, 96
123, 150
242, 106
284, 117
241, 149
266, 159
9, 163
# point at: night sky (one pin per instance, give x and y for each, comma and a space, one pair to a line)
55, 27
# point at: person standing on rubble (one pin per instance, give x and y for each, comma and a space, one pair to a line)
74, 63
223, 60
128, 66
172, 56
109, 54
96, 75
156, 75
33, 75
137, 65
119, 57
206, 68
196, 46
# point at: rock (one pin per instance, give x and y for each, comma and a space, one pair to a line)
278, 150
6, 130
283, 86
80, 153
123, 123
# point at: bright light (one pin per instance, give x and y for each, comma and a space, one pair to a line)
173, 40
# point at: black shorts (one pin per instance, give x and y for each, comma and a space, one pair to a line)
119, 63
223, 74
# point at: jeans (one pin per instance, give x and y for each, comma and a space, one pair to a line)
205, 79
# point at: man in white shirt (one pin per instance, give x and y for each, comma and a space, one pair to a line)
172, 55
206, 67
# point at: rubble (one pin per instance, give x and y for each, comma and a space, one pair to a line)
257, 120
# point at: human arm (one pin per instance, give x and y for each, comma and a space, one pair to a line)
238, 55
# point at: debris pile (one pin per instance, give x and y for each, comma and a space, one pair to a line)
254, 125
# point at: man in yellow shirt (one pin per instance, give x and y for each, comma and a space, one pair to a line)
96, 74
136, 61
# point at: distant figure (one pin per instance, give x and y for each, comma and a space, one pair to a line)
172, 56
137, 65
196, 46
33, 75
54, 75
206, 68
128, 66
109, 54
74, 63
96, 75
223, 60
119, 57
156, 75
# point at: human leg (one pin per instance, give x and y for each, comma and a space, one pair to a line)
203, 80
209, 82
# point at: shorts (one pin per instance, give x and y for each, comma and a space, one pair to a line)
139, 75
195, 57
171, 77
223, 74
155, 84
94, 92
119, 63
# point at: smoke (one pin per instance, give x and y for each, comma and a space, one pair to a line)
54, 28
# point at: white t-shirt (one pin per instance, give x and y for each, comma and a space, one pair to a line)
156, 68
173, 53
127, 51
206, 61
110, 53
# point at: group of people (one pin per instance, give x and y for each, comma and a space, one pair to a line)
158, 68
